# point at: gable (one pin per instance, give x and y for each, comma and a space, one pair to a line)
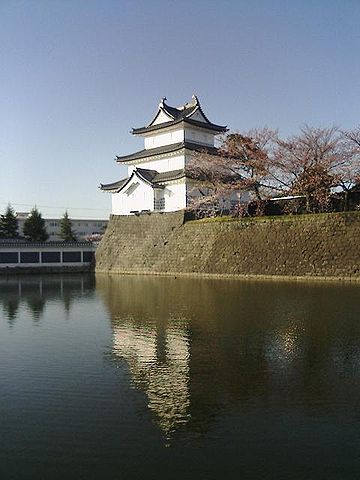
134, 182
161, 117
168, 116
198, 116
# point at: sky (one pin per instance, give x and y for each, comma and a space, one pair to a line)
77, 75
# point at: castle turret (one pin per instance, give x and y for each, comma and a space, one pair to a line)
156, 175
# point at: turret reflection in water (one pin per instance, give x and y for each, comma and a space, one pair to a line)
154, 342
159, 365
33, 292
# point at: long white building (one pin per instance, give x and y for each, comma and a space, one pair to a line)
156, 178
84, 229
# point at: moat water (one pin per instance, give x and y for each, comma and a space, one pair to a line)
176, 378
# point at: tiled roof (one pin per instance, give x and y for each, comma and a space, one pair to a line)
159, 126
113, 186
169, 176
163, 150
178, 115
183, 112
156, 179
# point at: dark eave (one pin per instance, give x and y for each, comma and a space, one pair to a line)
177, 114
169, 176
157, 178
145, 174
174, 147
151, 177
159, 126
115, 186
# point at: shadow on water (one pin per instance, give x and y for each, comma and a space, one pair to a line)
33, 292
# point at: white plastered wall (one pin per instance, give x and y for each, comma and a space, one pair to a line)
175, 196
195, 135
167, 138
136, 196
161, 165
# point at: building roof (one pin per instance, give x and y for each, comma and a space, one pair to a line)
22, 242
164, 150
180, 114
23, 216
113, 186
169, 176
152, 177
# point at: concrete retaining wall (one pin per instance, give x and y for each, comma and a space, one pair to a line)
315, 246
41, 257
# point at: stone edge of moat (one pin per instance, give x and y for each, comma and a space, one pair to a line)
286, 278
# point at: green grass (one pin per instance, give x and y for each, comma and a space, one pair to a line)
278, 218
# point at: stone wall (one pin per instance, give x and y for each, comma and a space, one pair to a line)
315, 246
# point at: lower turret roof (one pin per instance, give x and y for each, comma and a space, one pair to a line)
154, 178
164, 149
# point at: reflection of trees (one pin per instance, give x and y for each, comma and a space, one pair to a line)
36, 305
10, 307
9, 300
195, 346
34, 291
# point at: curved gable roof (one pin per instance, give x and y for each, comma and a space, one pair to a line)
115, 186
144, 175
150, 177
176, 115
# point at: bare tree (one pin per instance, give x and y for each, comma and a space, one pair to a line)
349, 175
242, 163
354, 138
312, 164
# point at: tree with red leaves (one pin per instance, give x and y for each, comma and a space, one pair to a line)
241, 163
313, 164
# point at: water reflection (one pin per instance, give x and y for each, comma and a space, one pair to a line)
159, 365
241, 379
196, 347
33, 292
154, 342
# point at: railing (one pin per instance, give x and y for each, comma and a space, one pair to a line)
18, 254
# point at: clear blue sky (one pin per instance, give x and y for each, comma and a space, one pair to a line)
76, 75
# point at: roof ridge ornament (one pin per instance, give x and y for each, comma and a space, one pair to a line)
192, 104
162, 102
195, 99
